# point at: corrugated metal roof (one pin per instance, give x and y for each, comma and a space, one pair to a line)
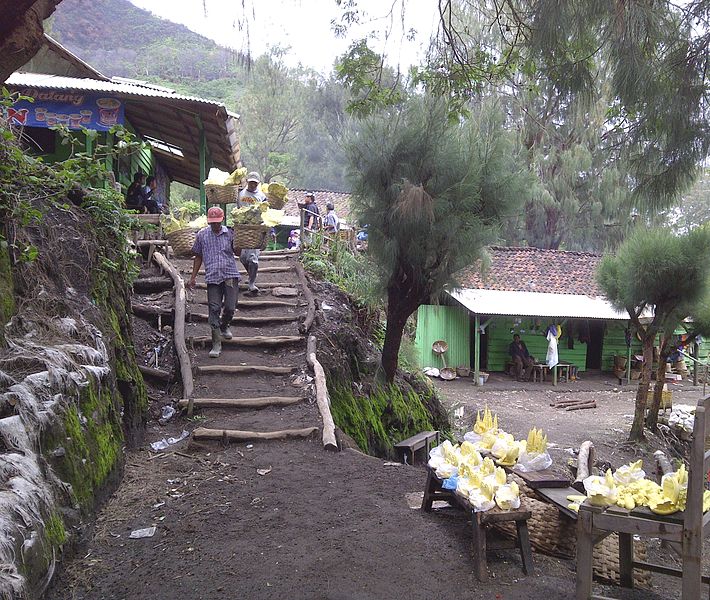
536, 304
55, 82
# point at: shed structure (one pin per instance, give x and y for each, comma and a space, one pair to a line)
524, 291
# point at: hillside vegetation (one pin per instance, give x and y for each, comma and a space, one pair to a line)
293, 120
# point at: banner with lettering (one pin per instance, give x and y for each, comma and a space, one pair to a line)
61, 107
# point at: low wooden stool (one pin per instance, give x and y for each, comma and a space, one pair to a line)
480, 522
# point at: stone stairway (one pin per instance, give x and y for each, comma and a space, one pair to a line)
256, 389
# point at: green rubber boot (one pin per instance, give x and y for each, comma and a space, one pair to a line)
216, 344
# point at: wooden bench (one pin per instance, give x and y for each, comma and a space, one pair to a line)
481, 541
682, 530
425, 439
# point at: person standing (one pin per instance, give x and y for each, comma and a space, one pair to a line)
312, 216
331, 222
249, 257
213, 247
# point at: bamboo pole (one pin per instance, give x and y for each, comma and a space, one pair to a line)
179, 330
322, 398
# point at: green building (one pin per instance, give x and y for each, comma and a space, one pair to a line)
524, 291
183, 136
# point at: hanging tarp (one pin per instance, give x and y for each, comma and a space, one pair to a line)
73, 109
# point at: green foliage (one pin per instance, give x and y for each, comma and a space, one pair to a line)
371, 85
658, 270
434, 193
381, 419
355, 274
54, 530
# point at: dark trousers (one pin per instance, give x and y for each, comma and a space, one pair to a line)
222, 300
250, 259
522, 364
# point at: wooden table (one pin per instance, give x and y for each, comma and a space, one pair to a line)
540, 370
480, 521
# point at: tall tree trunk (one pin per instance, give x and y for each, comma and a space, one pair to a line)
636, 434
399, 308
664, 351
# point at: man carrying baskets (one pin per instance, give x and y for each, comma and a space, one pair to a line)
249, 257
213, 246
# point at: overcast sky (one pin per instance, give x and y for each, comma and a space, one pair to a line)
304, 25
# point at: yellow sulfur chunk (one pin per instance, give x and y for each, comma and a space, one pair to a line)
487, 467
578, 498
573, 506
706, 501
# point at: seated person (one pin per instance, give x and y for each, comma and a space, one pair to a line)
135, 194
522, 361
150, 196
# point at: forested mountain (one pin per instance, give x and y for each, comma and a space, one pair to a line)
293, 120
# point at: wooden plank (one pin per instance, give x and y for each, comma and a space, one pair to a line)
418, 439
235, 435
558, 497
242, 402
585, 552
257, 340
496, 515
258, 303
545, 478
245, 369
637, 526
240, 320
201, 285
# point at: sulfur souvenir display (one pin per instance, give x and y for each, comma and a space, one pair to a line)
481, 479
628, 488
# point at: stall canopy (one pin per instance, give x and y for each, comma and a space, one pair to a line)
187, 133
534, 282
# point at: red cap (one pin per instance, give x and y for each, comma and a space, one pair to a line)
215, 215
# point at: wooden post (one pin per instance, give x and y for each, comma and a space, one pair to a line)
203, 168
89, 147
109, 156
179, 330
695, 363
477, 351
554, 375
322, 398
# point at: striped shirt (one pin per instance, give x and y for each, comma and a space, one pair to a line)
217, 254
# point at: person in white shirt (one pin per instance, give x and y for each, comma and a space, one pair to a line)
249, 257
331, 222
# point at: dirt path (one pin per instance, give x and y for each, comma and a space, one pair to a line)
275, 520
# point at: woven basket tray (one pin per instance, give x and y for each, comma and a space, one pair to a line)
275, 202
221, 194
182, 240
250, 236
556, 535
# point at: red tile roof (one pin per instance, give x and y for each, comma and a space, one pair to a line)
535, 270
341, 201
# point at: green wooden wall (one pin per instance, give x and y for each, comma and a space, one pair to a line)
448, 323
615, 343
499, 335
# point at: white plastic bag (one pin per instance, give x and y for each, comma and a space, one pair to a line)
536, 461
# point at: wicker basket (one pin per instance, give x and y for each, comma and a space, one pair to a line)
463, 371
221, 194
276, 203
182, 241
250, 236
556, 535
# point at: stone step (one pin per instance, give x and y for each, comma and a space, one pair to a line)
246, 369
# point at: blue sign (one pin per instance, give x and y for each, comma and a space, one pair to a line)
73, 109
